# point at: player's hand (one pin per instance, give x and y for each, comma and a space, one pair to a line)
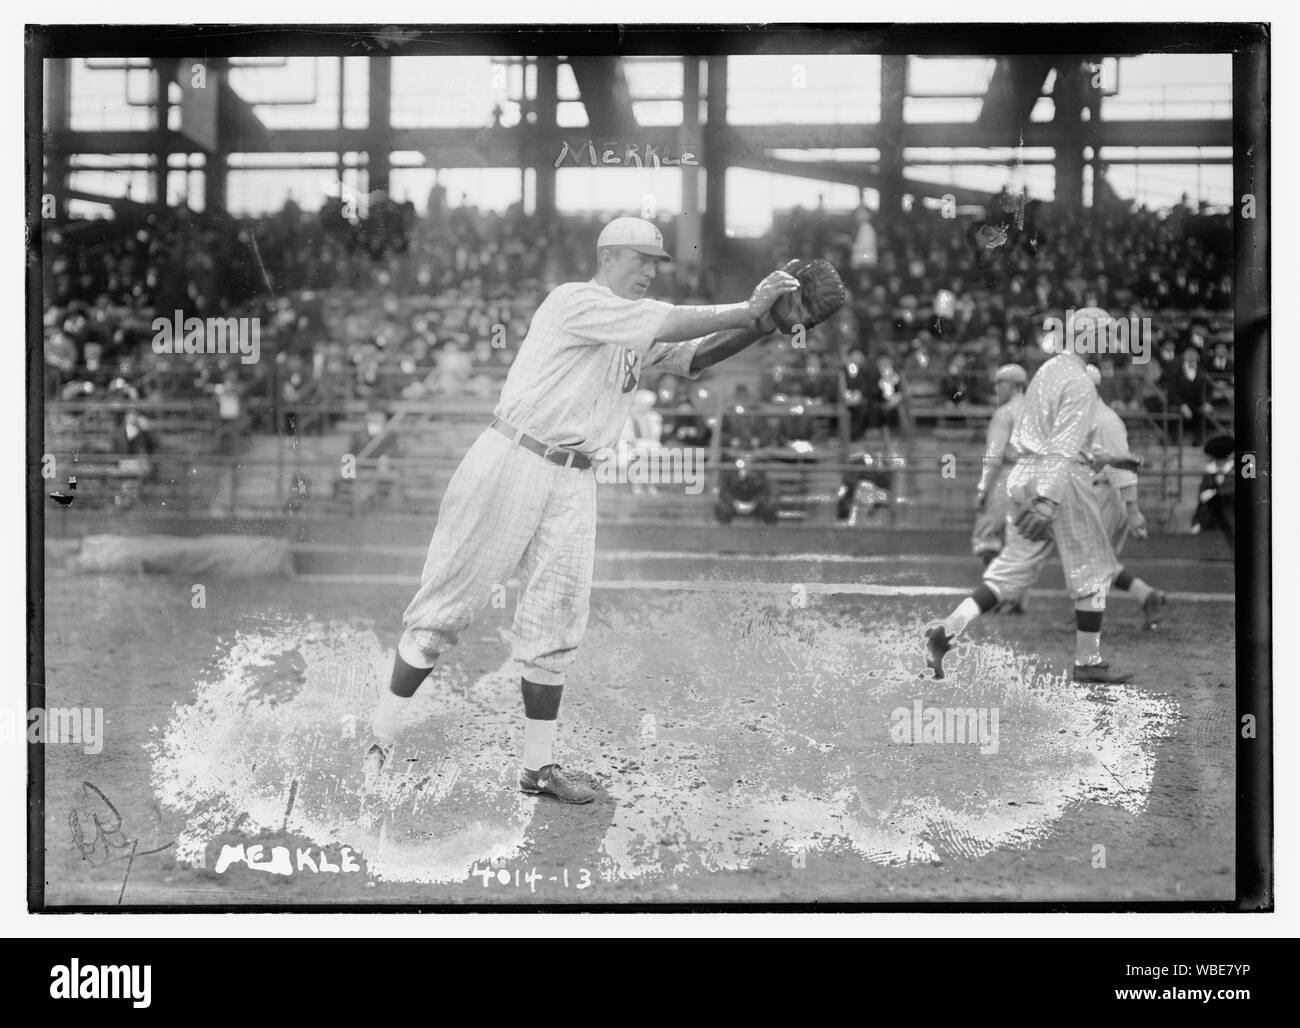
1137, 524
769, 291
1035, 521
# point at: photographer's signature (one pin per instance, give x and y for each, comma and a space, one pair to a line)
99, 836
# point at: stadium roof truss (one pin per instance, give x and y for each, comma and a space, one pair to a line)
1013, 88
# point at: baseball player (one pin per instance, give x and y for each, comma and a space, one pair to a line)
1000, 457
524, 497
1117, 499
1050, 491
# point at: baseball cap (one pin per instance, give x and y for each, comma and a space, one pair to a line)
1011, 373
1220, 446
637, 233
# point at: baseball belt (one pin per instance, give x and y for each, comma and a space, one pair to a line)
554, 454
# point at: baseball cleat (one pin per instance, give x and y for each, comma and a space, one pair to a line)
372, 764
1100, 674
551, 781
937, 643
1151, 609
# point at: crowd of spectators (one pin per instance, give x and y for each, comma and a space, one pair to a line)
940, 299
383, 308
391, 306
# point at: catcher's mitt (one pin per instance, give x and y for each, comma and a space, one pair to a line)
821, 293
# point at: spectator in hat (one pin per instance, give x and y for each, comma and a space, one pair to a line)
887, 396
955, 386
1215, 501
1219, 370
1189, 391
857, 385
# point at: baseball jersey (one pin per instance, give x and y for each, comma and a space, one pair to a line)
998, 449
1055, 419
575, 376
1111, 436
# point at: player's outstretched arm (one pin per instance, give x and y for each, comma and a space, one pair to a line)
691, 322
720, 345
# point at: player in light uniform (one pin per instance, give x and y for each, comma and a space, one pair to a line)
1051, 492
991, 500
524, 497
1117, 499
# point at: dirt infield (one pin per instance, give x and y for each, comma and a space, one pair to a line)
751, 742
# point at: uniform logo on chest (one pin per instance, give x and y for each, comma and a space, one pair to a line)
629, 370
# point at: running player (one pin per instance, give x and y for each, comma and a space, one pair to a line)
991, 501
1051, 494
1117, 498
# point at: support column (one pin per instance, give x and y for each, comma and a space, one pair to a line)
715, 162
690, 225
1090, 130
215, 180
215, 163
162, 72
548, 91
378, 131
1071, 79
893, 91
338, 153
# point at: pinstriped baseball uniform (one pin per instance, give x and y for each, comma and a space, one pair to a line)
1052, 431
1111, 436
506, 508
1000, 457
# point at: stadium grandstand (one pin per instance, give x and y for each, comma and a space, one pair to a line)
391, 221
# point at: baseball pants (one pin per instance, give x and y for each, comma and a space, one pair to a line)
989, 533
1077, 533
1113, 518
506, 510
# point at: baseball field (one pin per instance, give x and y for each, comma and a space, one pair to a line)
760, 726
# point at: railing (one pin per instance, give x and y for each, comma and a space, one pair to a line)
390, 477
932, 491
289, 417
